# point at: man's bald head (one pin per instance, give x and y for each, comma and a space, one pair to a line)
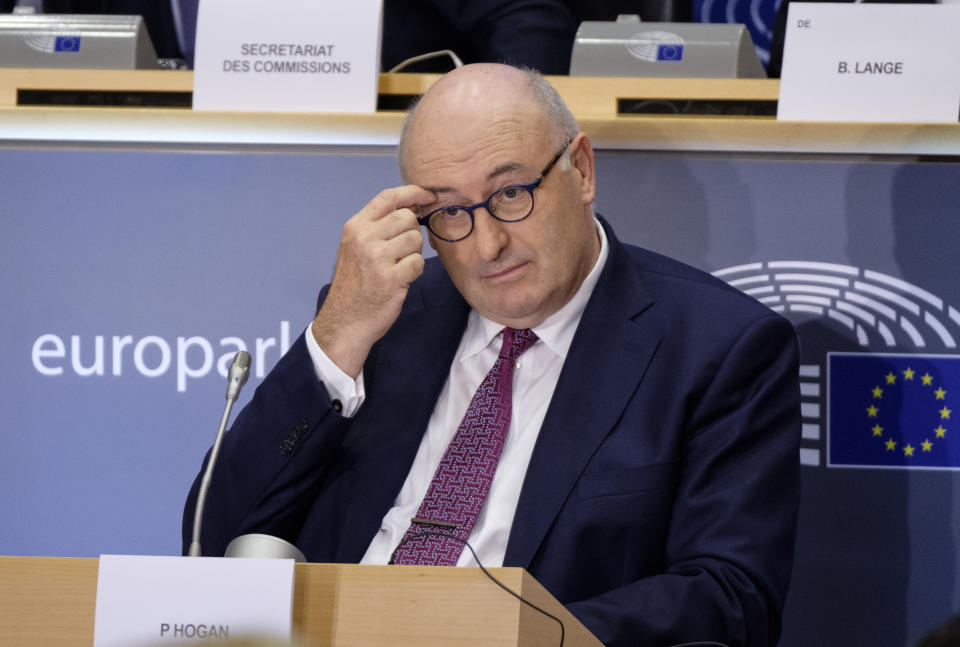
485, 93
487, 137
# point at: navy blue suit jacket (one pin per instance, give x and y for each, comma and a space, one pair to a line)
660, 502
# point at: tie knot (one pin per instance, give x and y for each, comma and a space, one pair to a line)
516, 341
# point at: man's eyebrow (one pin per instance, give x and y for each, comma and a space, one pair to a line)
439, 189
505, 168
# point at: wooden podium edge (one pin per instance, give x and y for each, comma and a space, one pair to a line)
52, 601
533, 621
346, 604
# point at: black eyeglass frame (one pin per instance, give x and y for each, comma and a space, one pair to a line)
528, 187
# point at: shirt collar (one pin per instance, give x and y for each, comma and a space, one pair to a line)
557, 330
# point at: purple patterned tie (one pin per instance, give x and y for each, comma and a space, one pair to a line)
462, 480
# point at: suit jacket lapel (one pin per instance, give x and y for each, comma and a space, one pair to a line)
384, 440
590, 395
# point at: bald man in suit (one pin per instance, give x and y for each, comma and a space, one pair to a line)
649, 478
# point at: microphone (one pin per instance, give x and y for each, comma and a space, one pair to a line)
237, 374
236, 378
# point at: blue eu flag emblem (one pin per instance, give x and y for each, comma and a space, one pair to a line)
894, 411
66, 44
670, 52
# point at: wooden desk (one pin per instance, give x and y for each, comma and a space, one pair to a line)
593, 101
51, 601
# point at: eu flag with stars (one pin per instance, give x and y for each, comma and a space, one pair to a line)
67, 44
894, 411
670, 52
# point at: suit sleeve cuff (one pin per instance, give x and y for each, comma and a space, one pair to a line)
341, 388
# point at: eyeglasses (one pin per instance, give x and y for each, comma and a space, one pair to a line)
510, 204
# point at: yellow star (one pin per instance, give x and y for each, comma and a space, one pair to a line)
908, 374
927, 446
940, 393
891, 445
927, 379
940, 431
908, 450
944, 413
877, 430
877, 392
872, 412
891, 378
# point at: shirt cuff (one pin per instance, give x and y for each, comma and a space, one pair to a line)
342, 389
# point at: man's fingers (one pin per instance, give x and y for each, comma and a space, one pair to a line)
401, 197
397, 223
403, 244
410, 267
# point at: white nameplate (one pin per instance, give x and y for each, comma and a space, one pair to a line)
871, 62
287, 55
161, 600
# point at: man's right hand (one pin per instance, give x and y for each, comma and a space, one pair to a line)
380, 254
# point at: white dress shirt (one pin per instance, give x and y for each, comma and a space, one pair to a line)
534, 379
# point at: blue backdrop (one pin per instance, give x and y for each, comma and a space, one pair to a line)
128, 278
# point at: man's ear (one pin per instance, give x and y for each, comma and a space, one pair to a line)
581, 157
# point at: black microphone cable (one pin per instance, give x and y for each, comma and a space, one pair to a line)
424, 533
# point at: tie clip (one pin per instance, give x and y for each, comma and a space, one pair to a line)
431, 522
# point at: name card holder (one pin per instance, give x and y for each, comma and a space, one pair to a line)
871, 62
158, 600
287, 55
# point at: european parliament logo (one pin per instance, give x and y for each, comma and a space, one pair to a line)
48, 43
918, 330
893, 411
652, 46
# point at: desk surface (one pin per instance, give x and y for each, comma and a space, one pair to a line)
52, 601
593, 101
